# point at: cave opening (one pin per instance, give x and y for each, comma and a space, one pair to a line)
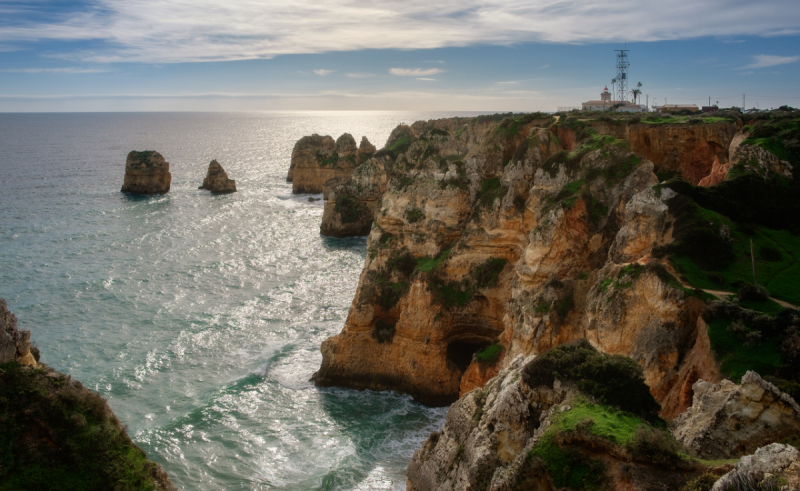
460, 352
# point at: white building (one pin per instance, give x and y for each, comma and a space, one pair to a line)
606, 104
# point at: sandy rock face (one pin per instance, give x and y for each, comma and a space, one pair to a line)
146, 173
728, 420
15, 345
773, 465
318, 159
763, 162
217, 180
352, 203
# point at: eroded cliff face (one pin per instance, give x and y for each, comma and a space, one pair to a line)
503, 238
689, 149
318, 159
146, 173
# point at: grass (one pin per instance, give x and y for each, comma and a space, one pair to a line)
736, 358
568, 469
781, 277
608, 422
426, 264
491, 190
490, 354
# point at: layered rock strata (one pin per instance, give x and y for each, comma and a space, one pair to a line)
217, 181
508, 235
318, 159
15, 345
146, 173
729, 420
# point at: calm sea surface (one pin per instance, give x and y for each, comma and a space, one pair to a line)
199, 317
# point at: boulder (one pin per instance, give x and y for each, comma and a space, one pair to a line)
217, 180
728, 420
146, 173
767, 468
15, 345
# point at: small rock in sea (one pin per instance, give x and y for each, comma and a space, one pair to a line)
311, 199
146, 173
217, 180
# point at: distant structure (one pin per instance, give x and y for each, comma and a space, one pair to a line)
622, 73
606, 104
675, 108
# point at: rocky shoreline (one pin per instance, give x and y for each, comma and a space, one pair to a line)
496, 239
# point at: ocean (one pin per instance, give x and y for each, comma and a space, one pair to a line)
200, 317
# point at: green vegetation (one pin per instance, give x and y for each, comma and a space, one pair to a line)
396, 148
459, 293
613, 379
426, 264
490, 354
450, 294
348, 208
491, 190
568, 468
414, 215
542, 307
57, 435
383, 331
709, 260
736, 355
607, 422
324, 160
487, 274
702, 483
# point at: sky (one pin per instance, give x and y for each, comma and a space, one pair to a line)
447, 55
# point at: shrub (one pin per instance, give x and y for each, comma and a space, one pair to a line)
702, 483
348, 208
383, 331
487, 274
613, 379
491, 190
770, 254
656, 446
414, 215
753, 293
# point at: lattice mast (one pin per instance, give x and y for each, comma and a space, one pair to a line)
622, 74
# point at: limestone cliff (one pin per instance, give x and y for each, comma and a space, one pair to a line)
57, 434
146, 173
15, 345
318, 159
217, 180
497, 238
729, 420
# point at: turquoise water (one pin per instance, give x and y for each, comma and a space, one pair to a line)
199, 317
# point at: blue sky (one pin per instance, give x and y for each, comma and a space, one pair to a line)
503, 55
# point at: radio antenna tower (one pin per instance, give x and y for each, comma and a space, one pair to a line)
622, 74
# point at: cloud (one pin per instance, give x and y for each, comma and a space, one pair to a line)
323, 73
763, 61
54, 70
360, 75
427, 79
414, 72
543, 67
167, 31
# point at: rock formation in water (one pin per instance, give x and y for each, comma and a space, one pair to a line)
15, 345
146, 173
729, 420
318, 159
217, 180
57, 434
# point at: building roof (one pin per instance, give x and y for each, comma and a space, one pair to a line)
678, 105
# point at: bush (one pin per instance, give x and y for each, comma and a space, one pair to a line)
348, 208
613, 379
753, 293
656, 446
487, 274
702, 483
383, 332
414, 215
490, 354
770, 254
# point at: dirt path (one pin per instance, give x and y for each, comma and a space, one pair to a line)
721, 295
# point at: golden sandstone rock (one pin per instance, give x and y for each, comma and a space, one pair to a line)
146, 173
217, 180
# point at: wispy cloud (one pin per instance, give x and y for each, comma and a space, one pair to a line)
323, 73
543, 67
165, 31
508, 82
414, 72
763, 61
427, 79
65, 70
438, 62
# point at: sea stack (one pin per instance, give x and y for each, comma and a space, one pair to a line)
217, 180
146, 173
